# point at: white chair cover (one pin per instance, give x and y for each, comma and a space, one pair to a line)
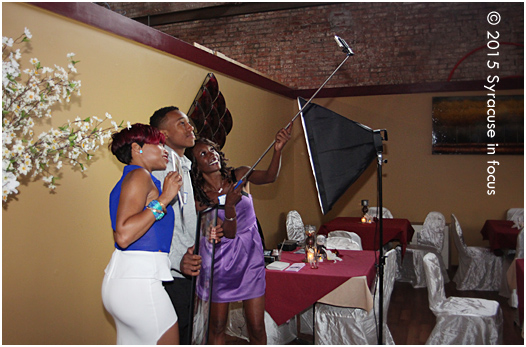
295, 227
276, 335
347, 241
354, 326
348, 234
432, 233
429, 239
520, 245
460, 321
385, 212
342, 243
478, 267
306, 321
511, 277
515, 214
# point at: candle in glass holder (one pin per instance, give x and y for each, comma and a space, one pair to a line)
364, 220
313, 260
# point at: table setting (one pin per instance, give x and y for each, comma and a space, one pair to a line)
312, 273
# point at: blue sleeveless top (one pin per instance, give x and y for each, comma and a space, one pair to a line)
159, 237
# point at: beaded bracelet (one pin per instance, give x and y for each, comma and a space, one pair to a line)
156, 208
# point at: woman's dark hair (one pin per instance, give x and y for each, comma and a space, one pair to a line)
198, 181
121, 142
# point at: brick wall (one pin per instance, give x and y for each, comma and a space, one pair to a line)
394, 43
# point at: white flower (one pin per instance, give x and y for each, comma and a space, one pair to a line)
72, 67
9, 184
7, 41
6, 153
31, 96
23, 169
34, 95
85, 126
18, 148
27, 33
128, 125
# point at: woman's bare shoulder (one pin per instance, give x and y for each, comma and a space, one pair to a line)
137, 176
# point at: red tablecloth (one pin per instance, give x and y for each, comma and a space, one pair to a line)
520, 286
500, 233
394, 229
288, 293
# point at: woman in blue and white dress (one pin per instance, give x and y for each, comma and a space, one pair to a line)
142, 222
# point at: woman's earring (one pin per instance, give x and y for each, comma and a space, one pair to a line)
140, 151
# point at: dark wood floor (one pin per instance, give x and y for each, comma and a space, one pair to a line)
411, 321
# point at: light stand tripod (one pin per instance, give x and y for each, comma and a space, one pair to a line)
381, 261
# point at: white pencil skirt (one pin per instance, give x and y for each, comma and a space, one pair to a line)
132, 292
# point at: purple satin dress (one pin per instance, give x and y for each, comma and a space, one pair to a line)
239, 271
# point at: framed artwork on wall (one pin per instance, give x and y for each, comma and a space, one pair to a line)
478, 125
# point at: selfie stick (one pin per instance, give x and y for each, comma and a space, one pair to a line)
345, 49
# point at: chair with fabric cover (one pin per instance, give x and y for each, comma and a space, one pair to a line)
460, 321
373, 211
337, 239
348, 234
276, 335
342, 243
478, 267
295, 227
511, 276
515, 215
429, 239
519, 252
354, 326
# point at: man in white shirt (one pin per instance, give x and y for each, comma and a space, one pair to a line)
179, 134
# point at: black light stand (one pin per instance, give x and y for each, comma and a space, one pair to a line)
381, 261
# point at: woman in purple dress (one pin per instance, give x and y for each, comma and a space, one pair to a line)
239, 271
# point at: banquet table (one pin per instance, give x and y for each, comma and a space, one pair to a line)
344, 283
393, 229
501, 234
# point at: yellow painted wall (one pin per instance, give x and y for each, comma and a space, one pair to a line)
56, 245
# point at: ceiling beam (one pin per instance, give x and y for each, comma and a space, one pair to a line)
228, 10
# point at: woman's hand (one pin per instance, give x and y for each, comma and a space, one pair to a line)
217, 232
271, 174
282, 137
172, 183
233, 195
